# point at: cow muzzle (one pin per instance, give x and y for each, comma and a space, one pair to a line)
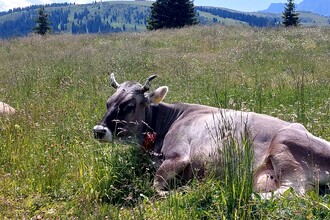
102, 134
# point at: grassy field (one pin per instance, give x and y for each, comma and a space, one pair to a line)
51, 168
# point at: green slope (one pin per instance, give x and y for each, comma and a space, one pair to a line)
117, 16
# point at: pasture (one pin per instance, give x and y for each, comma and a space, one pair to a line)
51, 167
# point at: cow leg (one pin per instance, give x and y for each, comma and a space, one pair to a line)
167, 171
290, 157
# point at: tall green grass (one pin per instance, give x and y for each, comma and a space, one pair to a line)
51, 167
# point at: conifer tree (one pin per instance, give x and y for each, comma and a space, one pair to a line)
290, 16
171, 14
42, 27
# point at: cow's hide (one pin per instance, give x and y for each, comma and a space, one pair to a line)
6, 109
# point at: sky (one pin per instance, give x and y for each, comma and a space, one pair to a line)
240, 5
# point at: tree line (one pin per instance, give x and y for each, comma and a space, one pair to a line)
33, 7
162, 14
252, 20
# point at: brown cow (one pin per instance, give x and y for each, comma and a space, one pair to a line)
285, 154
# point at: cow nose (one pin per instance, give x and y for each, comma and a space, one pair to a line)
99, 133
102, 133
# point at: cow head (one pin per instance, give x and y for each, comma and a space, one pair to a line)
127, 109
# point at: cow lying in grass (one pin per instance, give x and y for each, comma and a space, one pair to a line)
6, 109
187, 135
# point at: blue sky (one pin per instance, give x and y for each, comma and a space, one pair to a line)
240, 5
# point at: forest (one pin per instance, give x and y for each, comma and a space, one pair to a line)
105, 17
76, 19
252, 20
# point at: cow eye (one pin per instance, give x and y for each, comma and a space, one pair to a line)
129, 108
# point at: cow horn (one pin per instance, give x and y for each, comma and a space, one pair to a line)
113, 81
146, 86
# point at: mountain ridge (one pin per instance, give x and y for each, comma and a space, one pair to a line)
321, 7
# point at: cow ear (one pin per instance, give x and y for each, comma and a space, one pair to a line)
158, 95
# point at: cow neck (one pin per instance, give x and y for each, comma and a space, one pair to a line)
159, 119
163, 116
149, 133
150, 123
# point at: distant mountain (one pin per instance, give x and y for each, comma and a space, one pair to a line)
321, 7
275, 8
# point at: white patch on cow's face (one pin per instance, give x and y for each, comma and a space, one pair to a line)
102, 134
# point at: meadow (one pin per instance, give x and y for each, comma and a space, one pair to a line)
51, 168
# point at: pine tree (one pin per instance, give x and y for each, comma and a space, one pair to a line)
42, 27
290, 16
171, 14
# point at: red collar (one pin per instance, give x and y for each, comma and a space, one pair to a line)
149, 141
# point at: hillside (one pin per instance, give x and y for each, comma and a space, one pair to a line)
130, 16
103, 17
